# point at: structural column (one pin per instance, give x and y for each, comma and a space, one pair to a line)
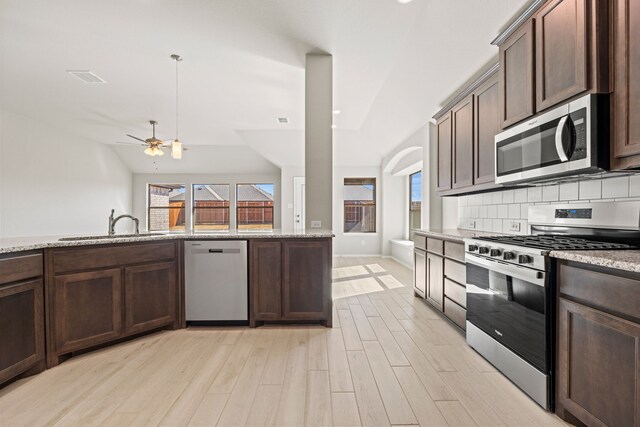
318, 141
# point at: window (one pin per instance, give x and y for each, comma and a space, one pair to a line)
415, 202
359, 205
210, 207
166, 207
254, 206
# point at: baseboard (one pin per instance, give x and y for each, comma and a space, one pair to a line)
358, 256
398, 261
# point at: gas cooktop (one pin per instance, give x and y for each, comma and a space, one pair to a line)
558, 242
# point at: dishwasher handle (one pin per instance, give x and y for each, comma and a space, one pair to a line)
224, 251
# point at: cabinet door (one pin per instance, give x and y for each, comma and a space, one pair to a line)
21, 328
444, 152
486, 126
626, 97
306, 284
462, 125
265, 279
435, 280
149, 296
420, 272
88, 309
516, 83
561, 51
598, 366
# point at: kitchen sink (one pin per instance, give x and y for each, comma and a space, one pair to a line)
115, 236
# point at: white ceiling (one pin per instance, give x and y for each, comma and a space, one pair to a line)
243, 67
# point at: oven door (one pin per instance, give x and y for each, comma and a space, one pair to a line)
539, 148
511, 304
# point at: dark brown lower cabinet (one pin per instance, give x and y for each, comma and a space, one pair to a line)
120, 290
265, 261
88, 309
290, 281
435, 280
306, 284
598, 346
149, 296
21, 328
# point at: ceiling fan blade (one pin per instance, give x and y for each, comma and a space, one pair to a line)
135, 137
131, 143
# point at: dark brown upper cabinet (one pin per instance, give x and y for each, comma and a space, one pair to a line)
625, 143
516, 82
487, 125
443, 126
561, 51
462, 143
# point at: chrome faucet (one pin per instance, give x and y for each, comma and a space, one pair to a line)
112, 222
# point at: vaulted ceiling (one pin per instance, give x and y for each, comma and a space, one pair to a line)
243, 68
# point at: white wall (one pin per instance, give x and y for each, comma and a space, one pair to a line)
394, 207
140, 182
287, 192
355, 243
52, 182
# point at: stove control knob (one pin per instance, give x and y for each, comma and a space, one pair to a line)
483, 250
473, 248
525, 259
495, 252
508, 255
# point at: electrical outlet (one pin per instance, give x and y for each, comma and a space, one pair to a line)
471, 224
514, 226
316, 224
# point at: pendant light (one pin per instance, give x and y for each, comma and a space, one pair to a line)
176, 145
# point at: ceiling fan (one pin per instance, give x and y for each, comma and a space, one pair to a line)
154, 144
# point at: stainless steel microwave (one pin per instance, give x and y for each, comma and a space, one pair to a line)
568, 140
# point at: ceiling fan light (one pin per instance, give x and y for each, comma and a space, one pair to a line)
176, 149
149, 151
159, 152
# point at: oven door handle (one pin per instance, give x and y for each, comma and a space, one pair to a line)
535, 277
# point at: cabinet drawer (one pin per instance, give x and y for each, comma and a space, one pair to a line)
419, 242
454, 250
16, 268
456, 313
608, 292
109, 256
436, 246
455, 292
455, 271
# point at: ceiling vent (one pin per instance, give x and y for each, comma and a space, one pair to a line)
86, 76
283, 120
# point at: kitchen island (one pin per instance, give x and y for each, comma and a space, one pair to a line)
59, 298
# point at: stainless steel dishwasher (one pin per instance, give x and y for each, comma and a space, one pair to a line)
216, 287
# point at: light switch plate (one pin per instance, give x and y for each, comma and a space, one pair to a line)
471, 224
514, 226
316, 224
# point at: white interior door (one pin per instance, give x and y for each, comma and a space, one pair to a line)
298, 203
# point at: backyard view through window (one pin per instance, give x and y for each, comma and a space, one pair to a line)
254, 206
166, 207
210, 207
415, 202
359, 205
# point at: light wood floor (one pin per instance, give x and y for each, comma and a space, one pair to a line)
389, 360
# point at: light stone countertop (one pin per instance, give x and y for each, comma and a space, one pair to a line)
453, 234
628, 260
19, 244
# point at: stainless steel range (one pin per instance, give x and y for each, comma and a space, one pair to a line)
511, 286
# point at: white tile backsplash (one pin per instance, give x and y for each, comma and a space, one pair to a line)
496, 212
590, 189
569, 191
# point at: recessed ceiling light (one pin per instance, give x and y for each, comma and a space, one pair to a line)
283, 120
333, 126
86, 76
404, 1
336, 111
